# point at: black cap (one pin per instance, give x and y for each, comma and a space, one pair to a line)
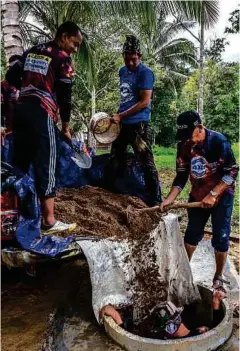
186, 123
131, 45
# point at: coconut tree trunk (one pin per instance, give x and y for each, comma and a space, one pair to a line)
12, 40
93, 100
201, 67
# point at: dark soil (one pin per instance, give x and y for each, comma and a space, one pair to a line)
100, 213
26, 303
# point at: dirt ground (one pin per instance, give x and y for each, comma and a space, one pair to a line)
27, 302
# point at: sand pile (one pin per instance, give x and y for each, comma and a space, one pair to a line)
100, 213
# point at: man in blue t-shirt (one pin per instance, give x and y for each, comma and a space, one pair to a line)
136, 85
207, 158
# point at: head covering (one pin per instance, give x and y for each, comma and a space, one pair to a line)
13, 59
167, 317
131, 45
186, 123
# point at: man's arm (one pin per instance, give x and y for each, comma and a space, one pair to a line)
64, 95
182, 174
230, 172
145, 98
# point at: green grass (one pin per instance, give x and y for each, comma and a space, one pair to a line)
165, 157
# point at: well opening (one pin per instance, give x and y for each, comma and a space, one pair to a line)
193, 316
196, 315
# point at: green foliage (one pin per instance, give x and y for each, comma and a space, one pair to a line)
3, 62
234, 20
187, 100
221, 100
163, 112
216, 50
104, 88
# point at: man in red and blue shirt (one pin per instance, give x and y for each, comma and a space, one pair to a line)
43, 75
205, 156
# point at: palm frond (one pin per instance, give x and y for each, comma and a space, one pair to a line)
201, 11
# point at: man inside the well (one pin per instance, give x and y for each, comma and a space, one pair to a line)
166, 321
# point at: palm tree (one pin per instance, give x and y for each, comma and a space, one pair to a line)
50, 14
12, 40
206, 13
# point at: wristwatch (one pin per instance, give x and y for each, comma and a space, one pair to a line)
214, 194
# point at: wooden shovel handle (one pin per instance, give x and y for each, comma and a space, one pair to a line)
170, 207
184, 205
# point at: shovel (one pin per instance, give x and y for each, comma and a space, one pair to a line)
130, 212
81, 157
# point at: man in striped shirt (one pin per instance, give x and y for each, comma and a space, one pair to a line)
206, 157
43, 75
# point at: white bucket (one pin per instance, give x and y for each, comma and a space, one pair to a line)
104, 130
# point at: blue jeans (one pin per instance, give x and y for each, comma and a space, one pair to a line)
221, 223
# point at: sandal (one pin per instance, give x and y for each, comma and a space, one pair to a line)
218, 283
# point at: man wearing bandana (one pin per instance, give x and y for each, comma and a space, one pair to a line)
136, 85
206, 157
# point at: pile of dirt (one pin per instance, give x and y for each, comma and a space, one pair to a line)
103, 214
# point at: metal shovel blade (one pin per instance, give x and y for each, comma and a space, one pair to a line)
82, 160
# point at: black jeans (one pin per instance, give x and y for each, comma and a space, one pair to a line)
140, 137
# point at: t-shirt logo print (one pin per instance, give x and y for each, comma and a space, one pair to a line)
37, 63
126, 92
198, 167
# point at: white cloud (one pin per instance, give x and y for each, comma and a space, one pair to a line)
232, 52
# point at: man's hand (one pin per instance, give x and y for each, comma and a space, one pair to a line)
116, 118
218, 296
110, 311
168, 201
66, 130
3, 134
209, 201
67, 134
